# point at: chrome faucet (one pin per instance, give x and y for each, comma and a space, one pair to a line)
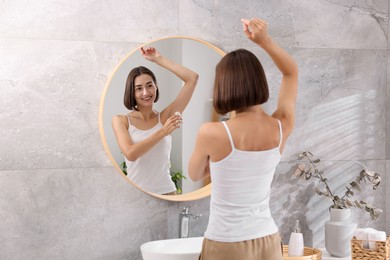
184, 220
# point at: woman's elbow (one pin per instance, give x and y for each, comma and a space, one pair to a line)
294, 70
130, 156
291, 71
198, 174
193, 176
194, 78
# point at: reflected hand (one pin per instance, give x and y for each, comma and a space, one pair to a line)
172, 124
150, 53
256, 30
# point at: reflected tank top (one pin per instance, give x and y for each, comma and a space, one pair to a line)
151, 171
241, 184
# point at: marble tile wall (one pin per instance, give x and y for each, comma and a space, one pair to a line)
60, 197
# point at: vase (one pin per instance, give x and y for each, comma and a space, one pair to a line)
339, 231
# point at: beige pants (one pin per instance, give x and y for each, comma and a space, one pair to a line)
265, 248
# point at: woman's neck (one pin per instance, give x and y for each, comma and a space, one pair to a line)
250, 110
146, 113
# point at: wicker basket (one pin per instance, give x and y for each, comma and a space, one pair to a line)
381, 251
309, 254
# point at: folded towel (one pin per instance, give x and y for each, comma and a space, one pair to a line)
369, 236
375, 235
362, 234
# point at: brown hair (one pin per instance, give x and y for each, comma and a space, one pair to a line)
240, 82
129, 99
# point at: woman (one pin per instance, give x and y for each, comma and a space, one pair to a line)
241, 154
144, 135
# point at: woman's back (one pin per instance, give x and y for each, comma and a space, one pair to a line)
252, 130
242, 180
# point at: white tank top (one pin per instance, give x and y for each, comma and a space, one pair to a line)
241, 184
151, 171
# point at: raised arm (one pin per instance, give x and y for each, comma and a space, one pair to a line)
256, 31
189, 77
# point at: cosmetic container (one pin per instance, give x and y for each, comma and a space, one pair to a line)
295, 245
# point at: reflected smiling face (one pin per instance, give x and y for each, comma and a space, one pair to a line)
144, 90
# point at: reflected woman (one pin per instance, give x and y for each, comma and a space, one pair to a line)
144, 134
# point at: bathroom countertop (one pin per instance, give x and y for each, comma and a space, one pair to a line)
326, 256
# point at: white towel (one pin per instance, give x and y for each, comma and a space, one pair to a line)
362, 234
375, 235
370, 234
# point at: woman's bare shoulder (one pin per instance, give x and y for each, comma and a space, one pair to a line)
120, 120
211, 129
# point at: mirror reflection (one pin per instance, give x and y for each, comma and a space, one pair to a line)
151, 109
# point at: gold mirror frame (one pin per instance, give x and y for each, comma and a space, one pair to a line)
191, 196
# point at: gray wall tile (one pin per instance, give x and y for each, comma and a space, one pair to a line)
121, 21
79, 213
52, 96
388, 109
387, 200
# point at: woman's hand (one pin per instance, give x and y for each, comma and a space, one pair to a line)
150, 53
256, 30
172, 124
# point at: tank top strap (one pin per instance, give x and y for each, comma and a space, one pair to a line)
280, 133
229, 134
128, 119
158, 115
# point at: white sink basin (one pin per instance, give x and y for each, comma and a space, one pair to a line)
172, 249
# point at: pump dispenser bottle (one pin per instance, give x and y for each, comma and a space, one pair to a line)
295, 246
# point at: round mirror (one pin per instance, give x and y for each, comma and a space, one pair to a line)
200, 57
